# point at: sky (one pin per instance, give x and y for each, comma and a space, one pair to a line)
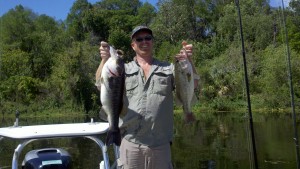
59, 9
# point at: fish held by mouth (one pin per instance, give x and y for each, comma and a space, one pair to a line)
111, 95
184, 87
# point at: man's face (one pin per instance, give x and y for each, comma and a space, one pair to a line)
142, 43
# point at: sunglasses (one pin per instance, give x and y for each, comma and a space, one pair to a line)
146, 38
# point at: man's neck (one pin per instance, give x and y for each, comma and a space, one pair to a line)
145, 63
144, 60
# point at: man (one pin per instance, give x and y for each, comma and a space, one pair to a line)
147, 128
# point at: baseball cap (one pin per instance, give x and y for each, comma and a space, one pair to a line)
140, 28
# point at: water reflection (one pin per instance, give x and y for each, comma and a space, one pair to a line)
214, 141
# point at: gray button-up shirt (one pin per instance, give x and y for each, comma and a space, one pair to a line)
149, 102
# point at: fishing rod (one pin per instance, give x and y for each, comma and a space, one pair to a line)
291, 87
247, 88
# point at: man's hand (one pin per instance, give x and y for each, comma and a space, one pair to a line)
188, 50
104, 54
104, 50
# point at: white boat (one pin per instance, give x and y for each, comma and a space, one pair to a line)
28, 134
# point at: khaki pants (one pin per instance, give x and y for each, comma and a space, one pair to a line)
136, 156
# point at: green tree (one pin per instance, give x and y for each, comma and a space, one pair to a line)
294, 28
46, 44
131, 5
20, 89
275, 90
295, 6
171, 23
14, 62
146, 13
16, 27
73, 76
35, 35
76, 20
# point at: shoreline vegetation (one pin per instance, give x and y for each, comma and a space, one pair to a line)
66, 112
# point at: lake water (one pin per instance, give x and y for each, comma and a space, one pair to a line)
215, 141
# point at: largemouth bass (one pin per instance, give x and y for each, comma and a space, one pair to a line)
111, 95
184, 87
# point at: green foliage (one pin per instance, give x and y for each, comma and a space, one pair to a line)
130, 5
23, 34
14, 62
222, 78
228, 31
146, 13
76, 20
21, 89
274, 80
171, 23
258, 29
167, 51
16, 26
295, 5
294, 31
207, 50
73, 77
120, 40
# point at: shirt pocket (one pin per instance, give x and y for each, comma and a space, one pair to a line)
162, 82
131, 86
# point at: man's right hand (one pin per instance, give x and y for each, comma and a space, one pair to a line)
104, 50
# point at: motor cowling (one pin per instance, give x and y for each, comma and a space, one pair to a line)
49, 158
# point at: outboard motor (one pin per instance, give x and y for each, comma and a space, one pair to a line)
49, 158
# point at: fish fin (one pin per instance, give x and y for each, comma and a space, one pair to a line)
103, 115
113, 136
189, 118
113, 52
123, 111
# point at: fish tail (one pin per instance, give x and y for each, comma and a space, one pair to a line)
103, 115
189, 117
113, 136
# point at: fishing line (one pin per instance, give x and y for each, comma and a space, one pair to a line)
291, 86
247, 88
